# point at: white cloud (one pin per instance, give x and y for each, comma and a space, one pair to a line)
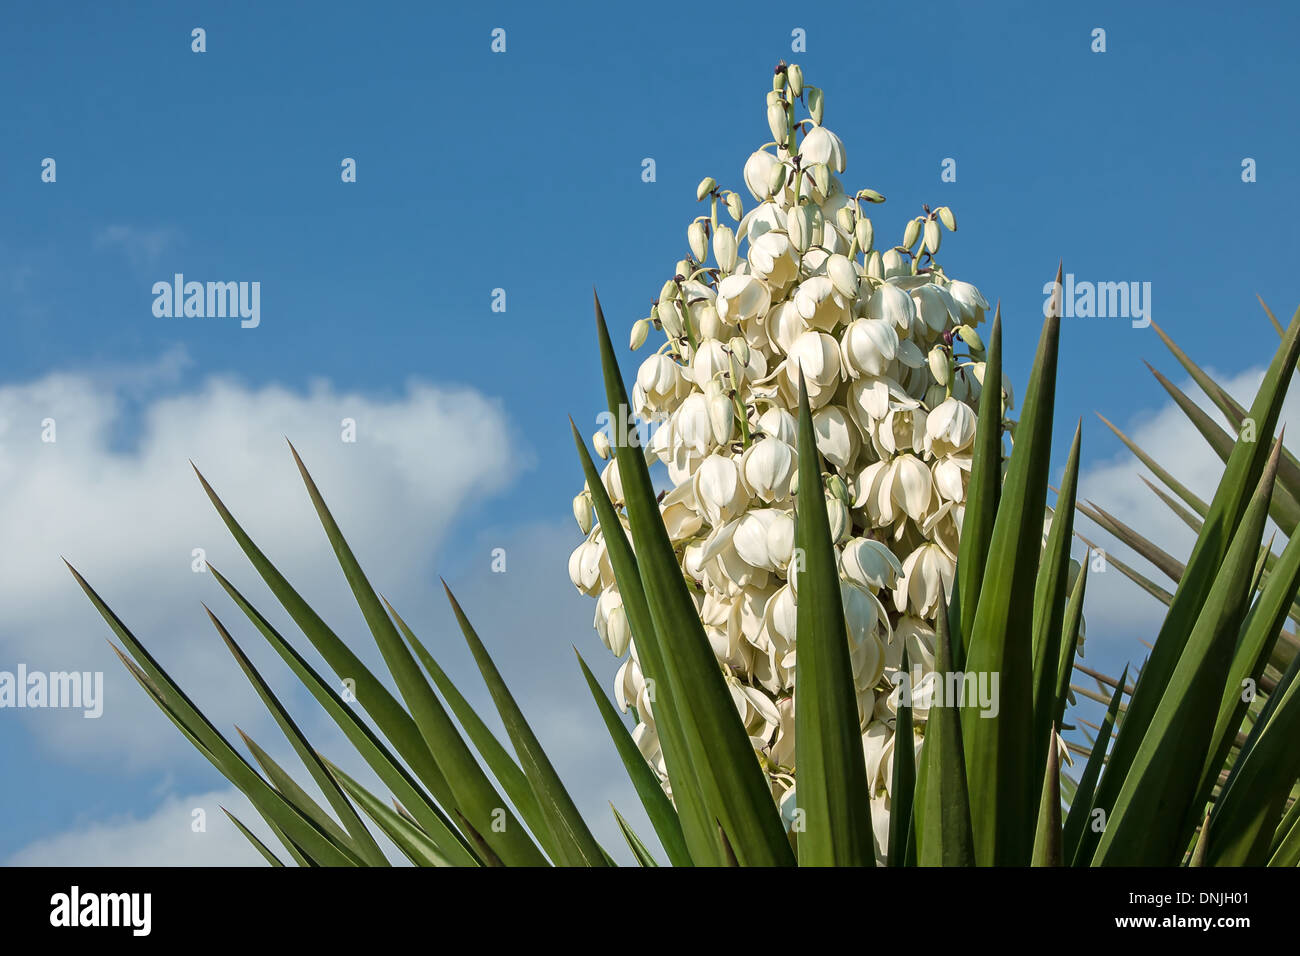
115, 494
128, 514
143, 246
528, 617
165, 837
1117, 609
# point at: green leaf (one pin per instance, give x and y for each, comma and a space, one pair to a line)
634, 843
832, 781
1288, 471
574, 840
1050, 593
473, 794
1000, 756
1252, 802
1146, 584
1081, 804
1240, 477
734, 788
1186, 515
301, 800
191, 721
1148, 824
258, 845
1275, 696
698, 828
1259, 634
1165, 562
391, 718
656, 803
357, 838
1047, 837
498, 759
981, 497
1286, 840
406, 836
1202, 843
903, 792
943, 824
1283, 508
1178, 488
371, 747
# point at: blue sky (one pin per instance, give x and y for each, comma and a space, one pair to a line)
522, 171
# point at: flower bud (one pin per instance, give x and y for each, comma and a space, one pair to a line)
739, 347
600, 441
932, 235
706, 186
837, 512
844, 275
845, 220
911, 233
822, 179
640, 329
875, 266
837, 489
947, 218
778, 81
776, 121
699, 242
684, 268
971, 338
582, 513
734, 206
799, 226
668, 292
939, 367
894, 264
816, 101
721, 417
795, 75
670, 317
776, 179
724, 248
870, 195
935, 395
865, 234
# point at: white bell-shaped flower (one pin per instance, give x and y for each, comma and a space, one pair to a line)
767, 468
741, 297
822, 147
758, 172
927, 576
822, 305
950, 428
892, 305
869, 563
868, 347
718, 489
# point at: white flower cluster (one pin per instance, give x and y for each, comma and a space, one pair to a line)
798, 284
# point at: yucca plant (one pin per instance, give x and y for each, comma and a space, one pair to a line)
985, 787
1262, 670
